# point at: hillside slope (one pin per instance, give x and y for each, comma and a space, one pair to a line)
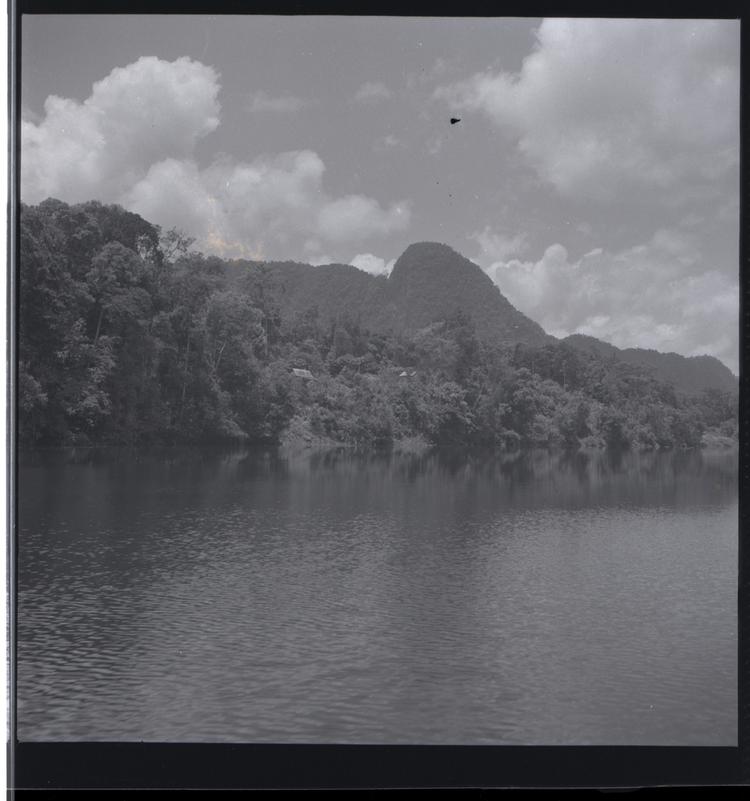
430, 282
688, 374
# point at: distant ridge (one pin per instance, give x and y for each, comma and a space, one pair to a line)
688, 374
430, 282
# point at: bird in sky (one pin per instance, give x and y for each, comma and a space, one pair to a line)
454, 120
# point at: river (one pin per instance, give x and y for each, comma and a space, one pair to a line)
217, 596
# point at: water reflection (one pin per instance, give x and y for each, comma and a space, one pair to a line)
336, 597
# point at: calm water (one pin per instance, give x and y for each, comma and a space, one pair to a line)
212, 596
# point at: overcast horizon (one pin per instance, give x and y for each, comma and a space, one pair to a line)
594, 173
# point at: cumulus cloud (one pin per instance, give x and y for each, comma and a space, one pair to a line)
317, 261
29, 115
133, 142
498, 247
261, 102
605, 106
653, 295
372, 92
173, 190
135, 117
355, 216
372, 264
274, 204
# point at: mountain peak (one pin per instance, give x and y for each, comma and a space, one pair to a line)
427, 247
431, 281
432, 256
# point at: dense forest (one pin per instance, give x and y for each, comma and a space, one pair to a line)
127, 336
429, 282
688, 374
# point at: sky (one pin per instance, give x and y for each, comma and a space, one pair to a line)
594, 173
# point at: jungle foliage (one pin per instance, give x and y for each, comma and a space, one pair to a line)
126, 335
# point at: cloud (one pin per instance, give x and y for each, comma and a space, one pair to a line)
272, 205
372, 264
135, 117
372, 92
316, 261
29, 115
174, 192
498, 247
390, 141
261, 102
355, 216
133, 142
606, 106
653, 295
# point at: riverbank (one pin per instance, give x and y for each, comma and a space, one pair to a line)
713, 441
299, 436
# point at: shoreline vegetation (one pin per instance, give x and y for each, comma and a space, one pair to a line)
293, 444
299, 437
128, 337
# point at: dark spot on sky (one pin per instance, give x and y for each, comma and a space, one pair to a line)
454, 120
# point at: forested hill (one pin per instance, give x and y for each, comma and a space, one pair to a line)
430, 282
688, 374
125, 335
324, 292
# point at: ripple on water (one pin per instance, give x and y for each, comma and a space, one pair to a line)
374, 601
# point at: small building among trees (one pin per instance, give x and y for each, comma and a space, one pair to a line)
301, 373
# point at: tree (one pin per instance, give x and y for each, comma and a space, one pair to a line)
127, 335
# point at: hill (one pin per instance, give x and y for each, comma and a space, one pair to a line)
332, 290
126, 336
688, 374
430, 282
